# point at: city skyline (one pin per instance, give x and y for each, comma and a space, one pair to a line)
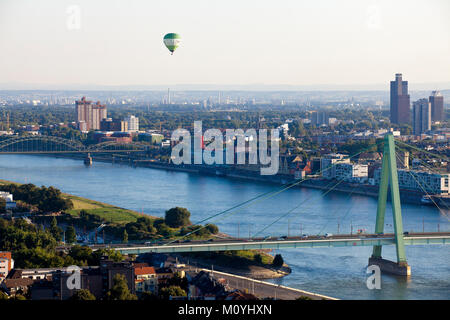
304, 44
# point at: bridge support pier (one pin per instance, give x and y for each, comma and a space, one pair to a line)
387, 266
389, 177
88, 160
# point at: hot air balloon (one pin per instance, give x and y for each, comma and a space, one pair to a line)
172, 41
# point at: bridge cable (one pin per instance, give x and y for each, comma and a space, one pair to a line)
291, 210
423, 151
266, 195
346, 213
427, 167
425, 191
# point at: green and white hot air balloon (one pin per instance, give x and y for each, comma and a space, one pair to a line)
172, 41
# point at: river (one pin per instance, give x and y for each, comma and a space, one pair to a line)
337, 272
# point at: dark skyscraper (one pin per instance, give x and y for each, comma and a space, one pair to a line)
399, 100
421, 116
437, 106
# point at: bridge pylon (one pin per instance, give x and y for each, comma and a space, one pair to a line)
389, 177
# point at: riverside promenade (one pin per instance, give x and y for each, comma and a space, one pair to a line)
258, 288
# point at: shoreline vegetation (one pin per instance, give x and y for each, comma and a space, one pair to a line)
258, 264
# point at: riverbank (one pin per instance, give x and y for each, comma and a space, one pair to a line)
104, 211
407, 196
114, 215
249, 271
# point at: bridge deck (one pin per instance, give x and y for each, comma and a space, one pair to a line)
283, 244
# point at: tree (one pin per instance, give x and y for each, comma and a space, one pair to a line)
71, 235
212, 228
278, 261
125, 236
2, 205
119, 290
82, 294
111, 254
258, 258
55, 230
83, 255
164, 230
177, 217
174, 291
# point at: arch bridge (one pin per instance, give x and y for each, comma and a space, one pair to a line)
40, 144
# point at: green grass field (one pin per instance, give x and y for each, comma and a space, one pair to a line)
108, 212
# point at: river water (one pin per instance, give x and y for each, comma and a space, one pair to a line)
337, 272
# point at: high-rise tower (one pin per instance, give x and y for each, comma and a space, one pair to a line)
437, 106
421, 116
400, 103
90, 114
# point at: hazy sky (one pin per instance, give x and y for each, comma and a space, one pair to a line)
296, 42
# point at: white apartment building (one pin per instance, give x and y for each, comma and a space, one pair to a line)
433, 183
6, 264
133, 123
10, 203
350, 171
327, 164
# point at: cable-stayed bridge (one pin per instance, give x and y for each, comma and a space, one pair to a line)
388, 184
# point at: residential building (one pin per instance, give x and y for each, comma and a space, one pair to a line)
6, 264
110, 268
206, 286
10, 203
51, 283
33, 274
163, 275
328, 162
133, 123
89, 115
400, 103
319, 118
350, 171
432, 183
421, 116
145, 278
437, 106
16, 286
109, 124
91, 278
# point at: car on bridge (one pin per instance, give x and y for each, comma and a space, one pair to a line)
282, 238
